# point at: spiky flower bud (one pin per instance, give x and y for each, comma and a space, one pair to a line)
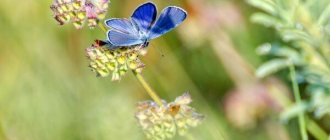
79, 11
105, 61
163, 122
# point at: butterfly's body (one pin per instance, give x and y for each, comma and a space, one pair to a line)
143, 26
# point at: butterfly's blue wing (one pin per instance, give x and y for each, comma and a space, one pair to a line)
170, 18
123, 33
122, 39
144, 16
121, 25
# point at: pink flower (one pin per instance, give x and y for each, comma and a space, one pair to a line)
79, 11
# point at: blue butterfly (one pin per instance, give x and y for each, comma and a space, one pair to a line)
143, 26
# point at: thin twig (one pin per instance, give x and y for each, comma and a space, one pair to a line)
149, 90
296, 92
102, 27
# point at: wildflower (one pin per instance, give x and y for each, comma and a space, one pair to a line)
105, 61
246, 105
162, 122
79, 11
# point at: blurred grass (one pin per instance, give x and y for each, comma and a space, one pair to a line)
47, 91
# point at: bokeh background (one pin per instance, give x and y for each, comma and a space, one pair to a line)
47, 91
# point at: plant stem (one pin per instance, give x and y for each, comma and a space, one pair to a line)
315, 130
311, 126
102, 27
296, 92
149, 90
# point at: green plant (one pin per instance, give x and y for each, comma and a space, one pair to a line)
304, 28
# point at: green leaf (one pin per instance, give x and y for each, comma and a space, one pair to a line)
265, 49
280, 51
271, 67
315, 75
266, 20
293, 111
266, 5
321, 103
324, 17
296, 35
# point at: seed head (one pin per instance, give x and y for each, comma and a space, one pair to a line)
163, 122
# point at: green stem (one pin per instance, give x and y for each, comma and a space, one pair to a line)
296, 92
312, 127
102, 27
149, 90
316, 130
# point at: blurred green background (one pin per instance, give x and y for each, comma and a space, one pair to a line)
47, 91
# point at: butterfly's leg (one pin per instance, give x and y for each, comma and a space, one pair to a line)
145, 44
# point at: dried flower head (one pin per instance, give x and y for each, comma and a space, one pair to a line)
105, 61
162, 122
79, 11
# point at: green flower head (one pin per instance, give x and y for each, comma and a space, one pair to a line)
115, 62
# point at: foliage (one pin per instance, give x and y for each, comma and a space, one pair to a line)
304, 29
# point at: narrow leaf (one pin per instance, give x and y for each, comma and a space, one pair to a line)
325, 16
271, 67
293, 111
266, 5
266, 20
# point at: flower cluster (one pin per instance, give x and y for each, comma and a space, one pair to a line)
79, 11
105, 61
161, 122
